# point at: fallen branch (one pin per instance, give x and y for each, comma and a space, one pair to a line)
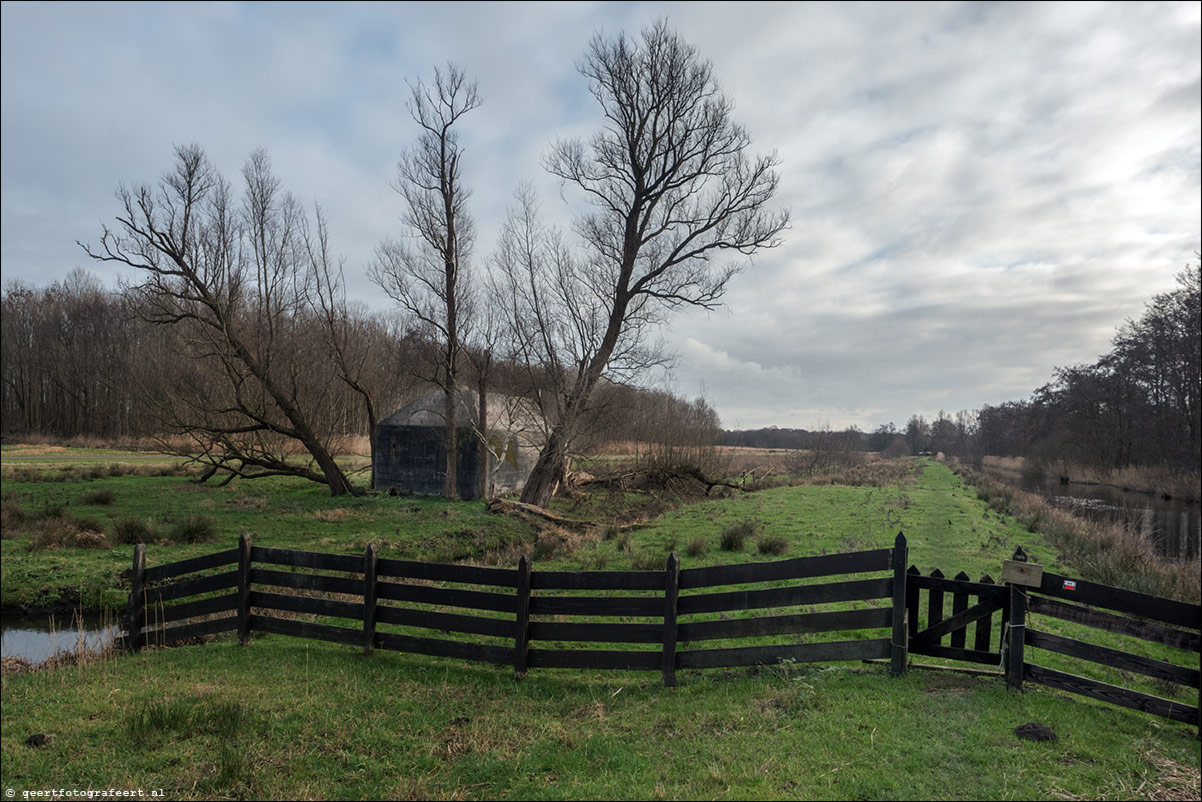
528, 512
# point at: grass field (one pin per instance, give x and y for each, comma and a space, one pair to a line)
284, 718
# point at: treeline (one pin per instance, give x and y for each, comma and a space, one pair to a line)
81, 361
1136, 406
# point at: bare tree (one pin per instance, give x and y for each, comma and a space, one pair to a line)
671, 188
237, 279
427, 276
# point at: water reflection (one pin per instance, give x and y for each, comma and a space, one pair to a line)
37, 638
1174, 527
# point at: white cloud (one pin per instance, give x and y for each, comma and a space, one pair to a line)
979, 192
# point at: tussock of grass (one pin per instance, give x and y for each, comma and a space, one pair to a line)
648, 561
100, 497
735, 536
774, 545
127, 531
697, 546
189, 716
65, 533
193, 529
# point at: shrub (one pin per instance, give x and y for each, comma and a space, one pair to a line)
697, 546
49, 511
102, 496
127, 531
12, 516
735, 536
772, 545
64, 533
193, 529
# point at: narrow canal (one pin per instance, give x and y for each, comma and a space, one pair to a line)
1173, 526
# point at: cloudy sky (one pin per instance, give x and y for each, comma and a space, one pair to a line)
979, 192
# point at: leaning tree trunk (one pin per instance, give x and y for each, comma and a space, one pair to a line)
548, 470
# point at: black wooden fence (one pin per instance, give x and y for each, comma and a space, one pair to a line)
1164, 621
526, 618
664, 620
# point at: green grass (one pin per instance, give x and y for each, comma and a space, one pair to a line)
286, 718
326, 722
276, 511
945, 525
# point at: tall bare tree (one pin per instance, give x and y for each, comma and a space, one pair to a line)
672, 188
427, 274
237, 277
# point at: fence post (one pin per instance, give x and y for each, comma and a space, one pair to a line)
244, 589
136, 616
521, 632
899, 641
370, 557
1016, 630
671, 594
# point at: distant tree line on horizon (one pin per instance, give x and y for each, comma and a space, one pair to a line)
1137, 406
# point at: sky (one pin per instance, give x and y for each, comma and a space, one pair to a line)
979, 192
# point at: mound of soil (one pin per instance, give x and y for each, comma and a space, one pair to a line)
1034, 731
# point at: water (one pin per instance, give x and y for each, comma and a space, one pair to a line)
1173, 526
36, 638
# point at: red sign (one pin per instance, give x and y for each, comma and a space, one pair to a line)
1070, 584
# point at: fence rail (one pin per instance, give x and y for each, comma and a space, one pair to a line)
668, 620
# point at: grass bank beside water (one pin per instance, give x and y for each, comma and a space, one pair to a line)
1112, 553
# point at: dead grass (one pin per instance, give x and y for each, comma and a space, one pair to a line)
1163, 780
66, 533
336, 514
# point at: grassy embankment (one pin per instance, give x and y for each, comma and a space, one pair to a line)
285, 718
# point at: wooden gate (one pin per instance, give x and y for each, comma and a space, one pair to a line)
930, 626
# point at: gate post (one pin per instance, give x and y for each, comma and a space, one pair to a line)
1016, 630
899, 640
1016, 623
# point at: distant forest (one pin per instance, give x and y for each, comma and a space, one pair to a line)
78, 362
